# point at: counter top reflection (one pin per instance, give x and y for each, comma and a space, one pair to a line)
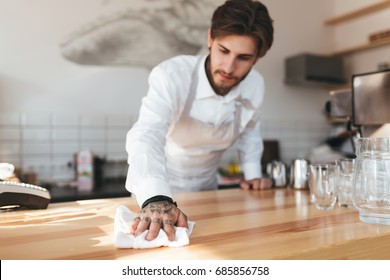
230, 224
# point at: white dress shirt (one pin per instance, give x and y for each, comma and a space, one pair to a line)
169, 85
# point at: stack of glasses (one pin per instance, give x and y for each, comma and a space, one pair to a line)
362, 183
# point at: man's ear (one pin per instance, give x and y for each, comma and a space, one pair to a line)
209, 39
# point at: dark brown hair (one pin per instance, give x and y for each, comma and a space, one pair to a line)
244, 17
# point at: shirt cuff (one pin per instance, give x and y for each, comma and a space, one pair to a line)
252, 170
158, 198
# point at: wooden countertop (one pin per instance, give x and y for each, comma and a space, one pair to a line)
230, 224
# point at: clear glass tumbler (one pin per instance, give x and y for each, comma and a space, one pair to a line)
345, 168
322, 180
371, 180
314, 168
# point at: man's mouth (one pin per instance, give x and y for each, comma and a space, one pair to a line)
225, 76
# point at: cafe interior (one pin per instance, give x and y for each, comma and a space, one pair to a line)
72, 78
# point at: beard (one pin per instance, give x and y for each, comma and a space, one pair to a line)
221, 87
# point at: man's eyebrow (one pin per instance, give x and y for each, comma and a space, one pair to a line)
248, 55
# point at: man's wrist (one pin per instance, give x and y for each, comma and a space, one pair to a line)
158, 198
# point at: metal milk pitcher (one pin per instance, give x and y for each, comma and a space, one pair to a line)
276, 170
299, 174
371, 180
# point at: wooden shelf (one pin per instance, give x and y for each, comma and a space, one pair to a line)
367, 46
360, 12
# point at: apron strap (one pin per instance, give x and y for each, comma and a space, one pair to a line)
193, 85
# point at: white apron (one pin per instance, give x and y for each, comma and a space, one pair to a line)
194, 148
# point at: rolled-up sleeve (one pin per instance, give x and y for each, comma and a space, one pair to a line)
145, 142
250, 149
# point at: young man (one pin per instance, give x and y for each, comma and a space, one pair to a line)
196, 108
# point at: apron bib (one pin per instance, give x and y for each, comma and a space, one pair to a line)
194, 148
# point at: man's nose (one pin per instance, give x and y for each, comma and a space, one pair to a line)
229, 65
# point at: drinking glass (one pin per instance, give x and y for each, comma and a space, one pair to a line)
344, 179
313, 173
323, 186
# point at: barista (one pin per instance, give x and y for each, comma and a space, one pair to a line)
196, 108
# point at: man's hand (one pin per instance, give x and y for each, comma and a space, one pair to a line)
156, 215
257, 184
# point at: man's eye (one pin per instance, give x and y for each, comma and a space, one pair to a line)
244, 58
224, 51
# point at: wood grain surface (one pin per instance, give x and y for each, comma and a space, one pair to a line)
230, 224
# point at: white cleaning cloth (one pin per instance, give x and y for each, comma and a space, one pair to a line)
123, 239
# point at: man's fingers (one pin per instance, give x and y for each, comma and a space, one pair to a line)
134, 225
169, 229
265, 183
143, 225
256, 184
154, 228
244, 185
182, 220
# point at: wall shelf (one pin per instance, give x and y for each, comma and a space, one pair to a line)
381, 5
363, 47
358, 13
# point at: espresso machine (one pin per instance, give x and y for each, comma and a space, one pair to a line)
371, 103
365, 106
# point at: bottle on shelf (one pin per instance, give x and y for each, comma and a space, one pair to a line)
85, 170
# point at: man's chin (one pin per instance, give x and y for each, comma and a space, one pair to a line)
227, 86
222, 87
222, 90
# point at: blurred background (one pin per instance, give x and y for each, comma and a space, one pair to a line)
73, 73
